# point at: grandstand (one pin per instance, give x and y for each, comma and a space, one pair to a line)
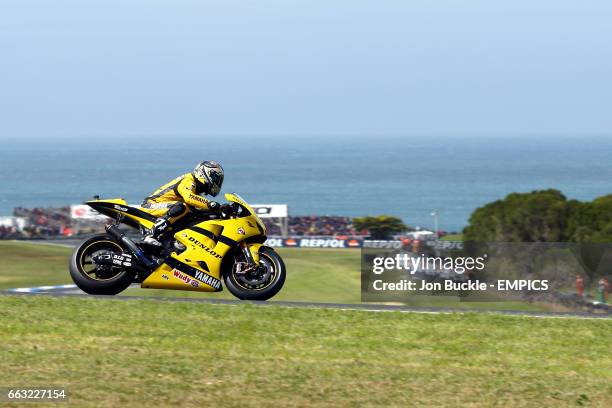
38, 223
54, 222
314, 226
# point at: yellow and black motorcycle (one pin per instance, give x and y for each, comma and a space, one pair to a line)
198, 253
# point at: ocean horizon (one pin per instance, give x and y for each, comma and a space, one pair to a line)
406, 176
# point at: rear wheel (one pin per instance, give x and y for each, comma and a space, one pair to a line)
263, 282
94, 279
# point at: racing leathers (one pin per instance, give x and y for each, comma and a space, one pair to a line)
171, 202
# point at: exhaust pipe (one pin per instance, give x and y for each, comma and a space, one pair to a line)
131, 246
125, 260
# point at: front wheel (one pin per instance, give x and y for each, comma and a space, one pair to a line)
94, 279
261, 283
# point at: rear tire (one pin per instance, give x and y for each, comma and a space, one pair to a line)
273, 264
88, 278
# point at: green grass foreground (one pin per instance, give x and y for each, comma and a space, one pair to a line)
111, 353
24, 264
323, 275
314, 275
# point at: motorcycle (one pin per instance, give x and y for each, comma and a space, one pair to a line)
198, 253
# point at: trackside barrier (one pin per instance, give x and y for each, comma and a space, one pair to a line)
331, 242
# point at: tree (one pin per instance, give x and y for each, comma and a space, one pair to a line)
539, 216
380, 226
598, 218
546, 216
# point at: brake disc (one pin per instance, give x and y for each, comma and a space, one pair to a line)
257, 280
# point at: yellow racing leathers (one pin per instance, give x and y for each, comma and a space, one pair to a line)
183, 189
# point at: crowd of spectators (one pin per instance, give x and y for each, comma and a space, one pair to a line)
53, 222
313, 225
40, 223
51, 218
35, 231
8, 232
324, 225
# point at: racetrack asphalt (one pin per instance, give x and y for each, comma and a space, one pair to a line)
366, 307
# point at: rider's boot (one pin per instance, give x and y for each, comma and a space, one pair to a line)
162, 223
151, 238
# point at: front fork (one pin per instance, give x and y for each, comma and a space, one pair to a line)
251, 255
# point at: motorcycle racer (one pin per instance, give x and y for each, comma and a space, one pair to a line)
172, 201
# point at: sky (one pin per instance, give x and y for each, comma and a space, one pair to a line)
279, 67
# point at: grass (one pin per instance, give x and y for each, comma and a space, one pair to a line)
324, 275
318, 275
112, 353
314, 275
23, 264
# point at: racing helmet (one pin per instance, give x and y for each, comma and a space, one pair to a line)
209, 174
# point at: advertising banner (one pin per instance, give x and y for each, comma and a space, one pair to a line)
271, 210
331, 242
85, 212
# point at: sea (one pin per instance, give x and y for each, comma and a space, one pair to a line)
407, 176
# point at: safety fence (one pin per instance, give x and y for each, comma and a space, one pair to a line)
331, 242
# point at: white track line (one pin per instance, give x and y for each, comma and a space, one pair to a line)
72, 290
43, 289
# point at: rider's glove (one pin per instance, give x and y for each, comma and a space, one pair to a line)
214, 206
226, 208
222, 208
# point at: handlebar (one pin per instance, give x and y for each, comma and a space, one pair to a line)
225, 211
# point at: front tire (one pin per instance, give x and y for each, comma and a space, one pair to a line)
242, 288
93, 280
